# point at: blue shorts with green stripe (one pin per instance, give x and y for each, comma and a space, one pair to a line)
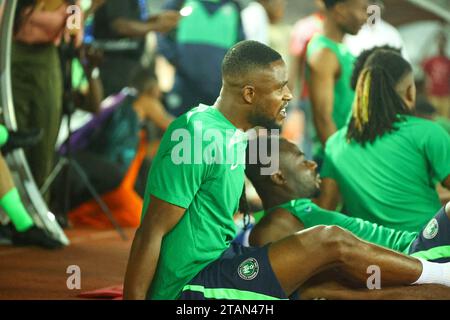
433, 243
241, 273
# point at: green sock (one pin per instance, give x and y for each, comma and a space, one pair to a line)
14, 208
3, 135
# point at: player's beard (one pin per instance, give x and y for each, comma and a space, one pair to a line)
351, 30
307, 187
261, 120
315, 193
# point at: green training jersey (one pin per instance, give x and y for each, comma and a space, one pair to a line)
444, 123
200, 167
343, 92
392, 181
311, 215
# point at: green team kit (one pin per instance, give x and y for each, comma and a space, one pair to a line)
391, 181
198, 259
206, 183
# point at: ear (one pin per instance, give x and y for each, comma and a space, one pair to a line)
410, 96
278, 178
248, 93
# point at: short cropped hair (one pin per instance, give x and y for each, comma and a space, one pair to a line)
331, 3
255, 161
247, 56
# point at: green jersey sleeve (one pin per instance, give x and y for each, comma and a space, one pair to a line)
436, 146
188, 178
386, 237
327, 170
176, 175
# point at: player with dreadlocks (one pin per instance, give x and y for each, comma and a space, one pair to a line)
387, 162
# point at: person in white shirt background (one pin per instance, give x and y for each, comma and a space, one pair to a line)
257, 17
376, 32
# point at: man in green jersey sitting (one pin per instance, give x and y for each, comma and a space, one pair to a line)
286, 195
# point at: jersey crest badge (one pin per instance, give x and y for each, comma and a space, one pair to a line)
249, 269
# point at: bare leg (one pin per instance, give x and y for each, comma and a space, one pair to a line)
336, 291
297, 258
331, 285
6, 181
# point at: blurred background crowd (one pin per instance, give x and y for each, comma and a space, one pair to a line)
135, 65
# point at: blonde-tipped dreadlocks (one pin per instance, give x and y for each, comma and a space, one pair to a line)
361, 104
377, 104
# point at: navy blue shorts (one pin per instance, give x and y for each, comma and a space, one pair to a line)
241, 273
433, 243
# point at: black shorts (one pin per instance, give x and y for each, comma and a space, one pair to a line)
241, 273
433, 243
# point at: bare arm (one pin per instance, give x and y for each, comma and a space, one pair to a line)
443, 189
91, 99
324, 69
164, 22
151, 109
446, 183
131, 28
329, 195
161, 217
296, 74
95, 95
